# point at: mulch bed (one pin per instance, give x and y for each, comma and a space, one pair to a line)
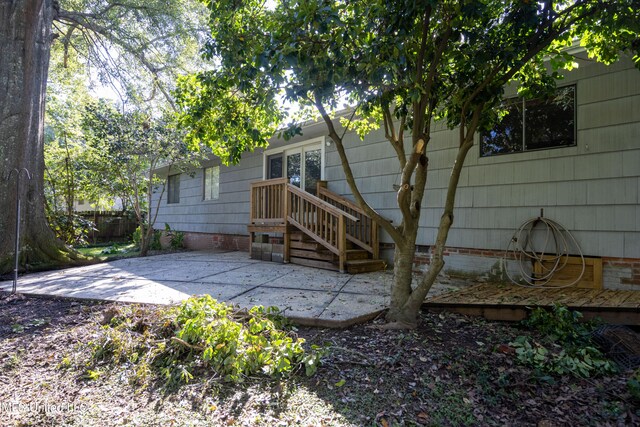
451, 370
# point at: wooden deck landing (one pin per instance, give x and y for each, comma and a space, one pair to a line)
512, 303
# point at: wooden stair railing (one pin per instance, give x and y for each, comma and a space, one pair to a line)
319, 220
266, 204
329, 219
364, 231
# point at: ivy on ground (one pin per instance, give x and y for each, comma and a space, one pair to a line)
565, 345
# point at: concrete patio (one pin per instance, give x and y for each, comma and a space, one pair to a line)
306, 295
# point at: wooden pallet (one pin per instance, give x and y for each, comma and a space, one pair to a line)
569, 270
512, 303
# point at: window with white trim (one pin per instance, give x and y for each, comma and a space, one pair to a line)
303, 164
173, 189
533, 124
211, 183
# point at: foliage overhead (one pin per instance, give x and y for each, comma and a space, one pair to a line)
401, 65
133, 145
137, 47
398, 57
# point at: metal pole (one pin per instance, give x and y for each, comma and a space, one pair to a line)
17, 246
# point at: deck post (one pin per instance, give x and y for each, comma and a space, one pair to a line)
375, 243
342, 244
285, 213
252, 192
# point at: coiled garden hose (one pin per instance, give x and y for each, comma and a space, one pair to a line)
521, 248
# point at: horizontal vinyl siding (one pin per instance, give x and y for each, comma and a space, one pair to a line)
593, 188
229, 214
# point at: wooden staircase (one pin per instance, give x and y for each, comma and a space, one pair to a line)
306, 251
327, 231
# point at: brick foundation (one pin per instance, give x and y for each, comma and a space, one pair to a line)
202, 241
617, 273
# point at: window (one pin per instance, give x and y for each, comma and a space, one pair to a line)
274, 166
211, 183
173, 190
533, 124
300, 163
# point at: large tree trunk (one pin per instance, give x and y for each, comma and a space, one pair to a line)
25, 43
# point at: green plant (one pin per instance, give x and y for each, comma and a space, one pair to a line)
110, 250
176, 238
72, 229
155, 244
136, 236
561, 324
65, 363
565, 346
205, 336
633, 384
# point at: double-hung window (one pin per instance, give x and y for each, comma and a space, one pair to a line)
211, 183
173, 189
533, 124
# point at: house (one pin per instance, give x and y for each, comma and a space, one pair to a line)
578, 159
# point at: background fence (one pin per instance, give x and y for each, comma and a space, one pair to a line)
110, 225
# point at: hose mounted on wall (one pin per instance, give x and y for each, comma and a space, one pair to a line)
541, 247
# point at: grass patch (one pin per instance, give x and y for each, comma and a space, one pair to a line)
110, 251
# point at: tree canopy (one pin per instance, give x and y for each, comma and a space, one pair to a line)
136, 47
140, 44
402, 65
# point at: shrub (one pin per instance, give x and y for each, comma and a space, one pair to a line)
154, 245
137, 236
176, 238
74, 230
633, 384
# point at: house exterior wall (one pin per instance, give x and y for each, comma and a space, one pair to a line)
593, 188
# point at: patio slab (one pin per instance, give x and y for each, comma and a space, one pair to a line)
306, 295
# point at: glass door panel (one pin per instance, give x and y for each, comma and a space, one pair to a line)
294, 169
312, 170
274, 166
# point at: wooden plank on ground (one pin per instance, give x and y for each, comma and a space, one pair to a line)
454, 295
484, 295
590, 297
630, 304
612, 299
517, 294
571, 296
544, 297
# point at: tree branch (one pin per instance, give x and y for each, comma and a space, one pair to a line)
384, 223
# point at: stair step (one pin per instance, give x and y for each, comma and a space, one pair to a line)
354, 254
318, 255
313, 263
365, 265
307, 246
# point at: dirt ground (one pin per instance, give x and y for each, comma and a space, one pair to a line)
451, 370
